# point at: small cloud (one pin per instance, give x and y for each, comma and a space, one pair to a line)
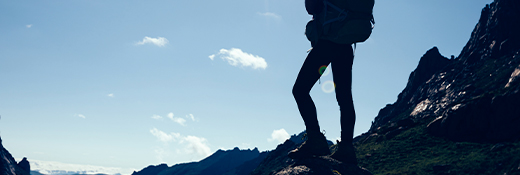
28, 25
170, 115
191, 144
156, 117
110, 95
180, 121
279, 135
271, 15
159, 41
191, 117
79, 115
196, 145
236, 57
212, 57
164, 137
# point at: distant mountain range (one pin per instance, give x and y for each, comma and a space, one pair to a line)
234, 161
230, 162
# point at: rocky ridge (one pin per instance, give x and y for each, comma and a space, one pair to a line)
459, 115
8, 165
473, 97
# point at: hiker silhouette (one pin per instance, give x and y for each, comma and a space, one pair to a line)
340, 57
327, 49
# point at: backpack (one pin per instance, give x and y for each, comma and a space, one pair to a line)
342, 22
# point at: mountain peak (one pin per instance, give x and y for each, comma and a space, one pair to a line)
221, 162
429, 64
496, 34
467, 96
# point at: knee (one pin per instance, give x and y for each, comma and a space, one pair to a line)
298, 92
347, 107
295, 91
345, 102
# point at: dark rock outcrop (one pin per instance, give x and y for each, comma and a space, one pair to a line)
473, 97
8, 165
490, 113
276, 160
278, 163
430, 63
322, 166
24, 165
496, 33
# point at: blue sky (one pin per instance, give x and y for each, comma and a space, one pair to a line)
127, 84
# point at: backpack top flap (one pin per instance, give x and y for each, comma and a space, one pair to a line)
364, 6
358, 9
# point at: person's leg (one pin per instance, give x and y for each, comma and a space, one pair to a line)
307, 77
342, 73
316, 143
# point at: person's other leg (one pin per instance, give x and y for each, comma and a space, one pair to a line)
342, 62
342, 73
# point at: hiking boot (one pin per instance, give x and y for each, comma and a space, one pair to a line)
315, 145
345, 153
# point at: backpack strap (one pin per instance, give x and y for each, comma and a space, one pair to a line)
342, 13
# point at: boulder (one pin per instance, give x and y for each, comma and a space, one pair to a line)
322, 166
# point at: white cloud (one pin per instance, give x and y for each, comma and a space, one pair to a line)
180, 121
236, 57
80, 115
156, 117
271, 15
170, 115
279, 135
191, 117
159, 41
212, 57
197, 145
28, 25
164, 137
110, 95
191, 145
